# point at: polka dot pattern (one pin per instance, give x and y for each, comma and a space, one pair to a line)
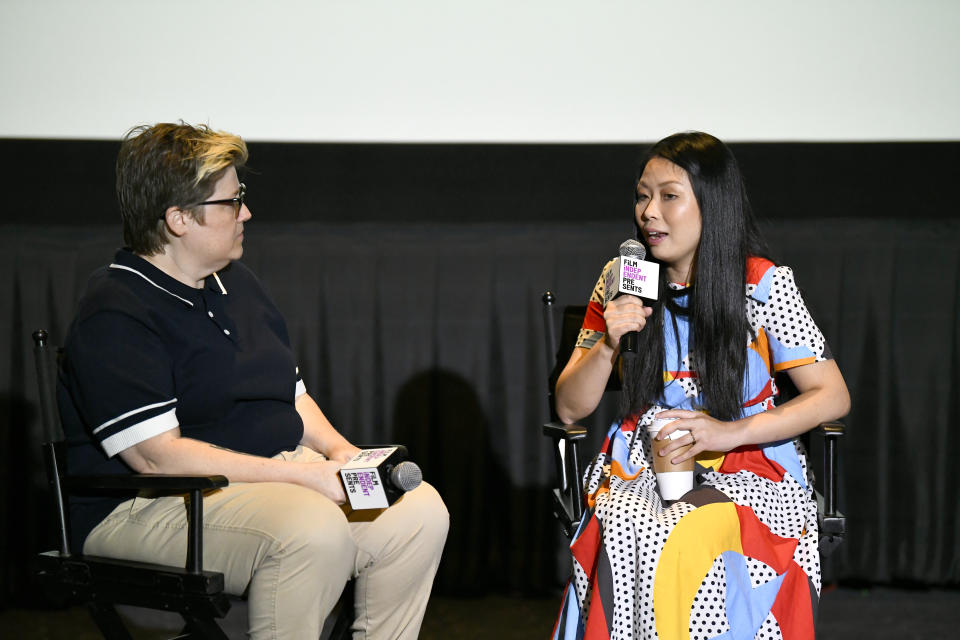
635, 523
785, 316
707, 615
690, 386
769, 630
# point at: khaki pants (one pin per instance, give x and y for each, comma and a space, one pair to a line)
294, 550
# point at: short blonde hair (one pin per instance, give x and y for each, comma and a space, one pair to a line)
169, 165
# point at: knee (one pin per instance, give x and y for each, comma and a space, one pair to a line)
427, 514
309, 524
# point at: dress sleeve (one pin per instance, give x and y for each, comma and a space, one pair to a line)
594, 326
120, 379
794, 338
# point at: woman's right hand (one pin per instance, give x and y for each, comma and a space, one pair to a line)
582, 381
623, 315
324, 478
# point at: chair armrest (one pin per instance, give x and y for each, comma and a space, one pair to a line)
831, 429
156, 485
831, 433
568, 499
558, 431
146, 481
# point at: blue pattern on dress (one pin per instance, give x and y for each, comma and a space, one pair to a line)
746, 606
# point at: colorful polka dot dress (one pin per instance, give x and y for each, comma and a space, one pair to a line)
738, 560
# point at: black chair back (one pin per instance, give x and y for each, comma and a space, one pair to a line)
46, 358
559, 348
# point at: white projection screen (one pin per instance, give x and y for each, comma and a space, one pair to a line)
484, 70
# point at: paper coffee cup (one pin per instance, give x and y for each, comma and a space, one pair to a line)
660, 423
674, 480
673, 484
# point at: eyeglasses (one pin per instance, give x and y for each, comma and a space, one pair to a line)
236, 202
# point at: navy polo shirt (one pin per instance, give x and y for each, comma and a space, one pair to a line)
147, 353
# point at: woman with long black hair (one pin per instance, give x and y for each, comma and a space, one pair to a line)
737, 555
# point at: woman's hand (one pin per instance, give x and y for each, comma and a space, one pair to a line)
705, 433
622, 315
823, 396
583, 379
324, 478
343, 452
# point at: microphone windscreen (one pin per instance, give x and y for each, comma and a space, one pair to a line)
631, 247
406, 476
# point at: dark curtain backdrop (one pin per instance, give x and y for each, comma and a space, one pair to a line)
430, 334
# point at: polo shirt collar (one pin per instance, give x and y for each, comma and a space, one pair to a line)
126, 260
215, 284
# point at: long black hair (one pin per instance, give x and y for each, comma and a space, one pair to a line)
718, 325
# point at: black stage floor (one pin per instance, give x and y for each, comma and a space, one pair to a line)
846, 613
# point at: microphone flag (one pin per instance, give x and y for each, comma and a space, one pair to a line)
630, 274
377, 477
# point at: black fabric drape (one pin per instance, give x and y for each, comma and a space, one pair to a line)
431, 335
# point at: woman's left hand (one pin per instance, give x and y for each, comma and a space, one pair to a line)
705, 433
343, 452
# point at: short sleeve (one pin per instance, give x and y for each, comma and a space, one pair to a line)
120, 378
793, 336
594, 326
300, 387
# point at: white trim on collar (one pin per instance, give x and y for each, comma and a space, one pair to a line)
223, 289
132, 270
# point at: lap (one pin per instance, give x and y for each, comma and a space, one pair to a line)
672, 569
255, 518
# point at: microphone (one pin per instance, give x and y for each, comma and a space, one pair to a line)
377, 477
632, 275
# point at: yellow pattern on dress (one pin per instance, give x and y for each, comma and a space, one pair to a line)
687, 556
